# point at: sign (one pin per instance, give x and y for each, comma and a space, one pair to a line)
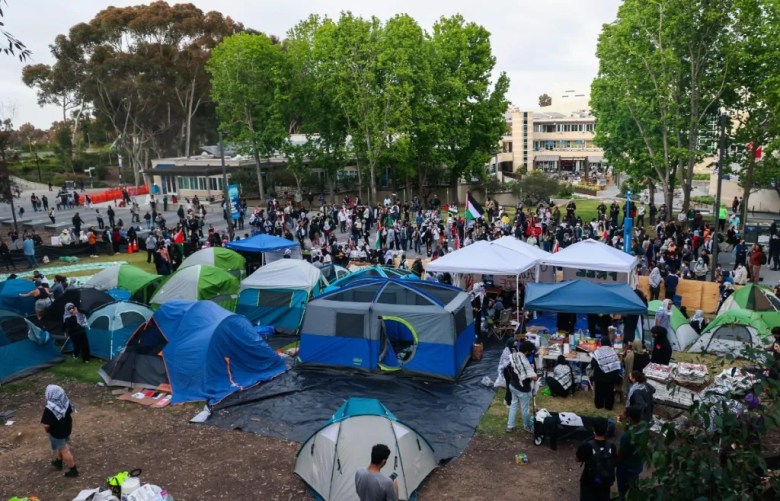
605, 277
628, 230
235, 204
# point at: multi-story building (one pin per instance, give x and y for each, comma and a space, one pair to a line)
555, 138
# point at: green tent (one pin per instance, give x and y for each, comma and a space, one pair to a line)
734, 330
751, 297
139, 283
220, 257
199, 282
680, 333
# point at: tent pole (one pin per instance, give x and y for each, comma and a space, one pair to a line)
517, 295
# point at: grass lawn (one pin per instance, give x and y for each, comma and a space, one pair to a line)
136, 259
74, 368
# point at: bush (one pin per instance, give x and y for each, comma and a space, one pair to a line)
566, 191
705, 200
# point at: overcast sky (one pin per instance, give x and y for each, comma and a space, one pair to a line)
543, 45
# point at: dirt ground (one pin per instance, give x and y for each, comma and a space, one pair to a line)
196, 462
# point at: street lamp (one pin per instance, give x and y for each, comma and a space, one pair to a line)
628, 225
225, 193
724, 122
89, 171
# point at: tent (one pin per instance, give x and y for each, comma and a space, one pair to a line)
751, 297
333, 272
9, 296
24, 348
593, 255
111, 325
276, 294
222, 258
199, 282
372, 272
328, 460
271, 247
735, 330
483, 257
583, 296
139, 283
413, 326
202, 350
87, 299
680, 333
521, 247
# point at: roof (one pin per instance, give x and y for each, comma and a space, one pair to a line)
583, 296
295, 274
484, 257
262, 243
593, 255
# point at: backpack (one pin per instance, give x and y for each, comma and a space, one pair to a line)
600, 468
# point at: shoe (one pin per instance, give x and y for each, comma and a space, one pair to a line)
73, 472
57, 463
510, 430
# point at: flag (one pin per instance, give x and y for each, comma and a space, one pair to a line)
452, 210
473, 209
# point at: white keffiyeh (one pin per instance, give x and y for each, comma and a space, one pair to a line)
607, 359
57, 401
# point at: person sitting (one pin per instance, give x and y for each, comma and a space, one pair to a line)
606, 373
698, 322
562, 381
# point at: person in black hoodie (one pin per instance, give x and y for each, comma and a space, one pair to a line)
662, 348
640, 395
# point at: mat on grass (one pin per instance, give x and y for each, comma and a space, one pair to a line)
296, 404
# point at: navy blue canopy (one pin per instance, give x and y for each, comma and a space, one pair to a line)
583, 296
262, 243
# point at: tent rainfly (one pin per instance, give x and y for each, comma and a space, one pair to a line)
139, 283
733, 331
199, 282
11, 300
372, 272
583, 296
111, 325
219, 257
751, 297
271, 247
24, 348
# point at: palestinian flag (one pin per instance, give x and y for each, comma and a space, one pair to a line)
452, 210
473, 209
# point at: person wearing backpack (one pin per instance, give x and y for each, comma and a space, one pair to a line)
629, 457
598, 457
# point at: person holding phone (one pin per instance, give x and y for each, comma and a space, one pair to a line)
371, 484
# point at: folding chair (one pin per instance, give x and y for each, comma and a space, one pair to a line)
503, 327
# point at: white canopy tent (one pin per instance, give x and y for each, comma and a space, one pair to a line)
596, 256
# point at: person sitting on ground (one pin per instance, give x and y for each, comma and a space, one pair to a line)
562, 381
662, 348
640, 395
606, 373
698, 322
370, 483
58, 424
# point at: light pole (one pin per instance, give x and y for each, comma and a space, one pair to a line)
628, 225
91, 179
724, 121
225, 194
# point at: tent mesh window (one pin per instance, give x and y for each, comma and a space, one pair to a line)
131, 318
349, 325
775, 301
442, 294
395, 294
460, 320
13, 330
275, 298
732, 333
101, 322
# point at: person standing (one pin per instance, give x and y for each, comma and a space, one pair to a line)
629, 458
520, 379
640, 395
100, 222
756, 260
606, 374
599, 457
111, 214
662, 348
29, 251
636, 358
50, 213
75, 326
77, 222
58, 423
165, 203
42, 297
655, 280
5, 255
370, 483
92, 242
670, 285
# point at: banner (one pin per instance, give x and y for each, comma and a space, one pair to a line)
235, 204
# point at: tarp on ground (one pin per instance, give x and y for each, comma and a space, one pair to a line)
483, 257
593, 255
294, 405
583, 296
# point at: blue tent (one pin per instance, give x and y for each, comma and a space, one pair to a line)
583, 296
202, 350
111, 325
9, 296
262, 243
371, 272
24, 348
382, 324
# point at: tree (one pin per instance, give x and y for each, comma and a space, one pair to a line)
665, 65
14, 44
534, 188
248, 85
545, 100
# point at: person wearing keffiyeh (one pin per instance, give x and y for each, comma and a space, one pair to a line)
75, 326
58, 424
520, 377
606, 373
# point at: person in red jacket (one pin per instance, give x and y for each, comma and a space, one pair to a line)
756, 260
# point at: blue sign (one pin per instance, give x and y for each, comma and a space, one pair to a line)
628, 231
235, 205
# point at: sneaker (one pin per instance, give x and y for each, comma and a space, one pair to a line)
57, 463
73, 472
510, 430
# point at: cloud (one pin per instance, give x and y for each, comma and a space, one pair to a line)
541, 45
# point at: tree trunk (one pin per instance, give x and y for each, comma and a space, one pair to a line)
260, 187
747, 185
651, 191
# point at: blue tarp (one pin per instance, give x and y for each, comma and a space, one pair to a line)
24, 348
262, 243
212, 352
583, 296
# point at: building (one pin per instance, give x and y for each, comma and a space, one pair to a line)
556, 138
